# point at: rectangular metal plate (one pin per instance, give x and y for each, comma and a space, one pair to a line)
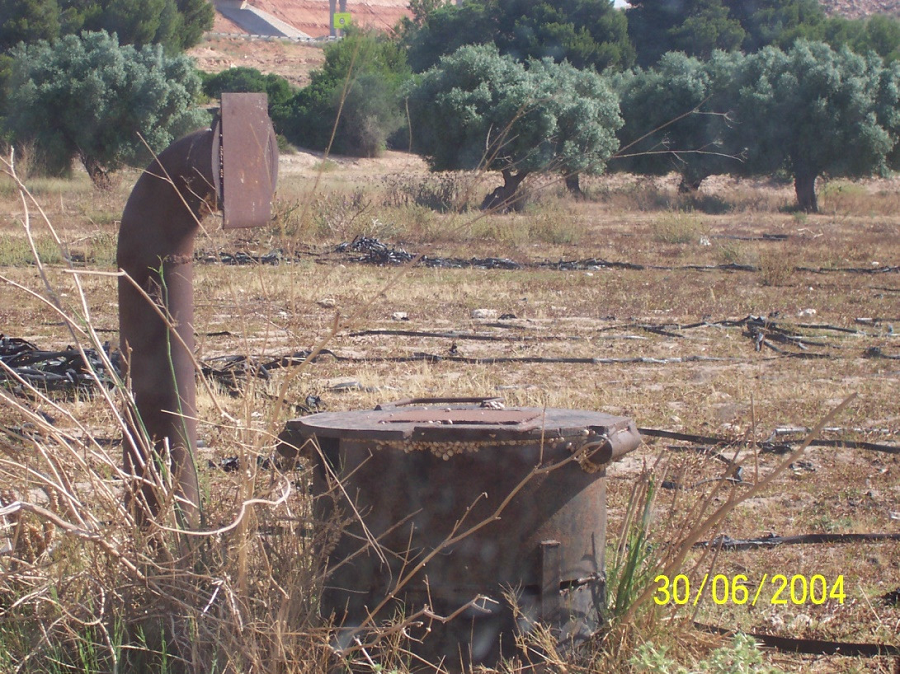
485, 417
249, 160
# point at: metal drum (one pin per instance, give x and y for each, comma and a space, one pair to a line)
470, 504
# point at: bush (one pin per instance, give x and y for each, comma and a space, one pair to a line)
352, 105
445, 192
250, 80
87, 97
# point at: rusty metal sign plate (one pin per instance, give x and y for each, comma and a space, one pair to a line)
247, 157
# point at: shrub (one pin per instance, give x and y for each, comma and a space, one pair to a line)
352, 105
741, 655
251, 80
88, 97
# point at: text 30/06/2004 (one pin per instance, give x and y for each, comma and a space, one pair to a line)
797, 589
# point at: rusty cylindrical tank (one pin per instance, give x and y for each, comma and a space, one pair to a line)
420, 473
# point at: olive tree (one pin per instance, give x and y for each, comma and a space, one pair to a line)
814, 111
477, 109
352, 103
586, 33
587, 117
679, 116
87, 97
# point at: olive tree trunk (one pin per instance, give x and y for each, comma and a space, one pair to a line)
98, 173
805, 188
573, 184
507, 197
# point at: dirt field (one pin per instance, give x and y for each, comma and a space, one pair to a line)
727, 316
293, 61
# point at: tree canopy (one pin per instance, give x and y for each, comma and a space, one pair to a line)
816, 111
278, 90
877, 33
678, 117
699, 27
88, 97
27, 21
358, 86
479, 109
175, 24
586, 33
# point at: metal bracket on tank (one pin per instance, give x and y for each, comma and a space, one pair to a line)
550, 582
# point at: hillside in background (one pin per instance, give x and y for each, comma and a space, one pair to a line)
311, 16
854, 9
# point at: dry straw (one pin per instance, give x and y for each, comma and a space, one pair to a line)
85, 586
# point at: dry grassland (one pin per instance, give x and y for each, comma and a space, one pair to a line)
668, 347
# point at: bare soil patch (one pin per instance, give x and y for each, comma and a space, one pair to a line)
291, 60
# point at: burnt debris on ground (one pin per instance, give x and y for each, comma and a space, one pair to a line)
70, 369
370, 250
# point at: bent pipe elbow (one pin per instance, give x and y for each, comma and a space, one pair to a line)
611, 446
155, 250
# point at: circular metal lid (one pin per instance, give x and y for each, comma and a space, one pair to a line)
453, 420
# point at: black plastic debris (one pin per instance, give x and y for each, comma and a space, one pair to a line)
69, 369
379, 253
274, 257
374, 251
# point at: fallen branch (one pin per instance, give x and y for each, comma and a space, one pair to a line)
811, 646
728, 543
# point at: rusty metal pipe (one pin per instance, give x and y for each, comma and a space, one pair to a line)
155, 248
238, 157
610, 446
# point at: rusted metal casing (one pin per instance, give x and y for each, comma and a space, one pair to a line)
155, 249
422, 474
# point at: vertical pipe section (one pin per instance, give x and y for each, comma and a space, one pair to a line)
155, 249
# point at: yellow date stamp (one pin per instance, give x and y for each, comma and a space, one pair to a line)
739, 590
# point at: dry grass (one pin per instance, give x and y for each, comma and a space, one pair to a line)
75, 593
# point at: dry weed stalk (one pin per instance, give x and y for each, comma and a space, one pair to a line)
75, 569
79, 574
672, 563
634, 619
82, 583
